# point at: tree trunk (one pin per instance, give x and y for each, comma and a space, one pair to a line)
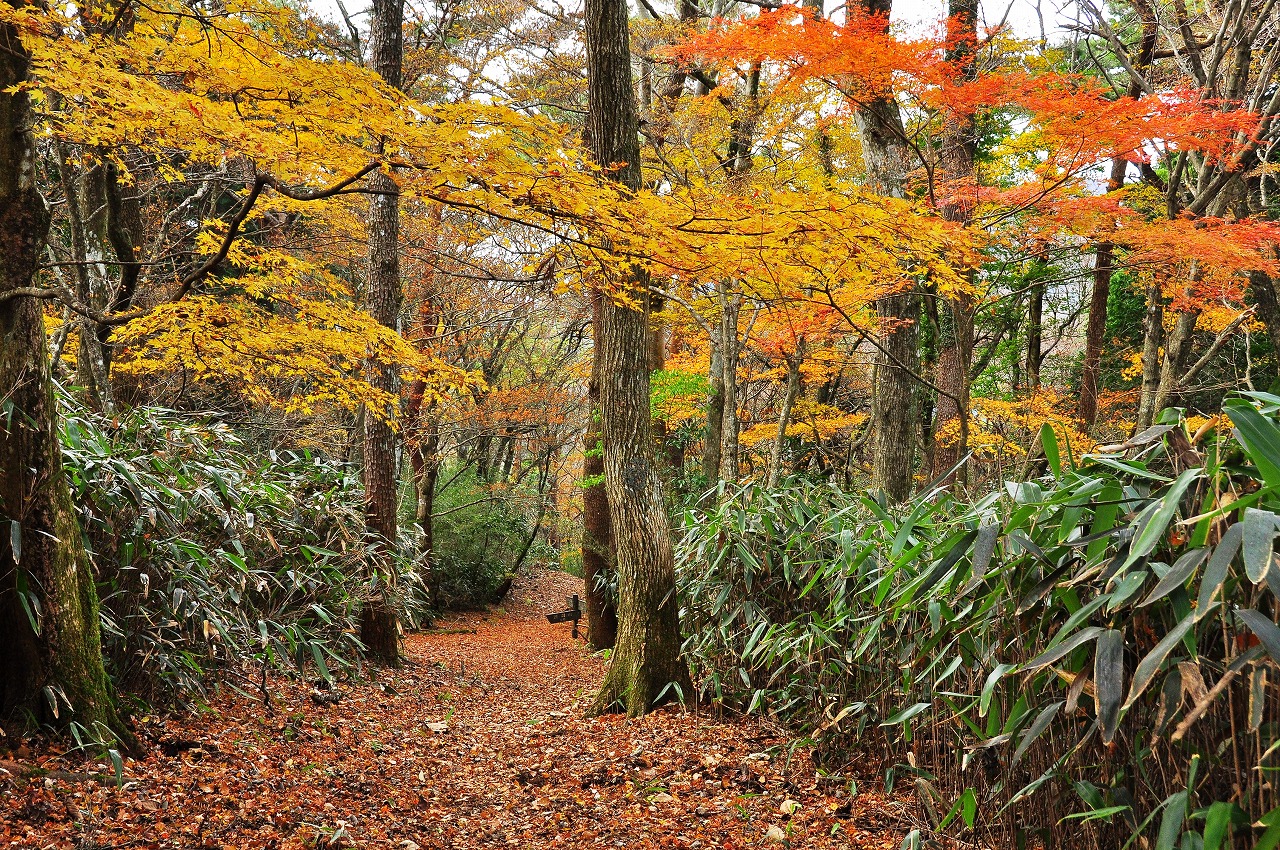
1095, 333
597, 531
1177, 346
423, 460
87, 216
1104, 256
1264, 295
379, 629
730, 352
646, 660
956, 315
55, 670
1153, 339
713, 438
784, 412
1035, 327
893, 409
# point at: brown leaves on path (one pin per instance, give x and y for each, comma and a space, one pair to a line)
479, 742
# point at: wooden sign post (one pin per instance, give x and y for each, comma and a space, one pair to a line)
574, 614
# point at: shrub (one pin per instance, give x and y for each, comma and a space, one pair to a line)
209, 556
479, 533
1081, 659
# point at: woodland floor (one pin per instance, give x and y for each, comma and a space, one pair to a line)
478, 742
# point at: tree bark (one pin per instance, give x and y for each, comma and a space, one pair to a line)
1104, 255
1035, 326
1153, 339
893, 408
54, 670
1095, 333
1264, 295
425, 463
730, 353
784, 412
597, 531
646, 660
956, 315
713, 438
379, 628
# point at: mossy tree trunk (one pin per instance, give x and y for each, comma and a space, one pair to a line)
646, 660
51, 663
597, 530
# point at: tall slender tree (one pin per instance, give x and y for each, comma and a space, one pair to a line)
957, 158
51, 664
646, 661
893, 411
379, 630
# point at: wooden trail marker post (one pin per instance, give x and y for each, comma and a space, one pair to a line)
574, 614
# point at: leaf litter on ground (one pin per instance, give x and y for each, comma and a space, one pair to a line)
478, 741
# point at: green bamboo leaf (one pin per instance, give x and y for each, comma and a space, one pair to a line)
1061, 650
1175, 813
906, 714
1049, 441
1260, 624
989, 688
1177, 575
1271, 837
1216, 572
1151, 525
1257, 696
1216, 822
1259, 436
1042, 721
1149, 666
1259, 534
1108, 678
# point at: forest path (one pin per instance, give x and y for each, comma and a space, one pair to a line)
478, 742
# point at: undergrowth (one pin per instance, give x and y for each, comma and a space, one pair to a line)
214, 560
1083, 659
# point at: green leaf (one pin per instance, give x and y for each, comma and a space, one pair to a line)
1216, 823
1177, 575
1097, 814
1048, 657
1149, 666
1259, 436
1271, 837
984, 547
1042, 721
1260, 624
1175, 813
906, 714
1216, 573
1259, 533
15, 540
1108, 678
1151, 525
989, 688
1049, 441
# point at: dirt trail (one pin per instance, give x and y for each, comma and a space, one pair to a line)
479, 742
